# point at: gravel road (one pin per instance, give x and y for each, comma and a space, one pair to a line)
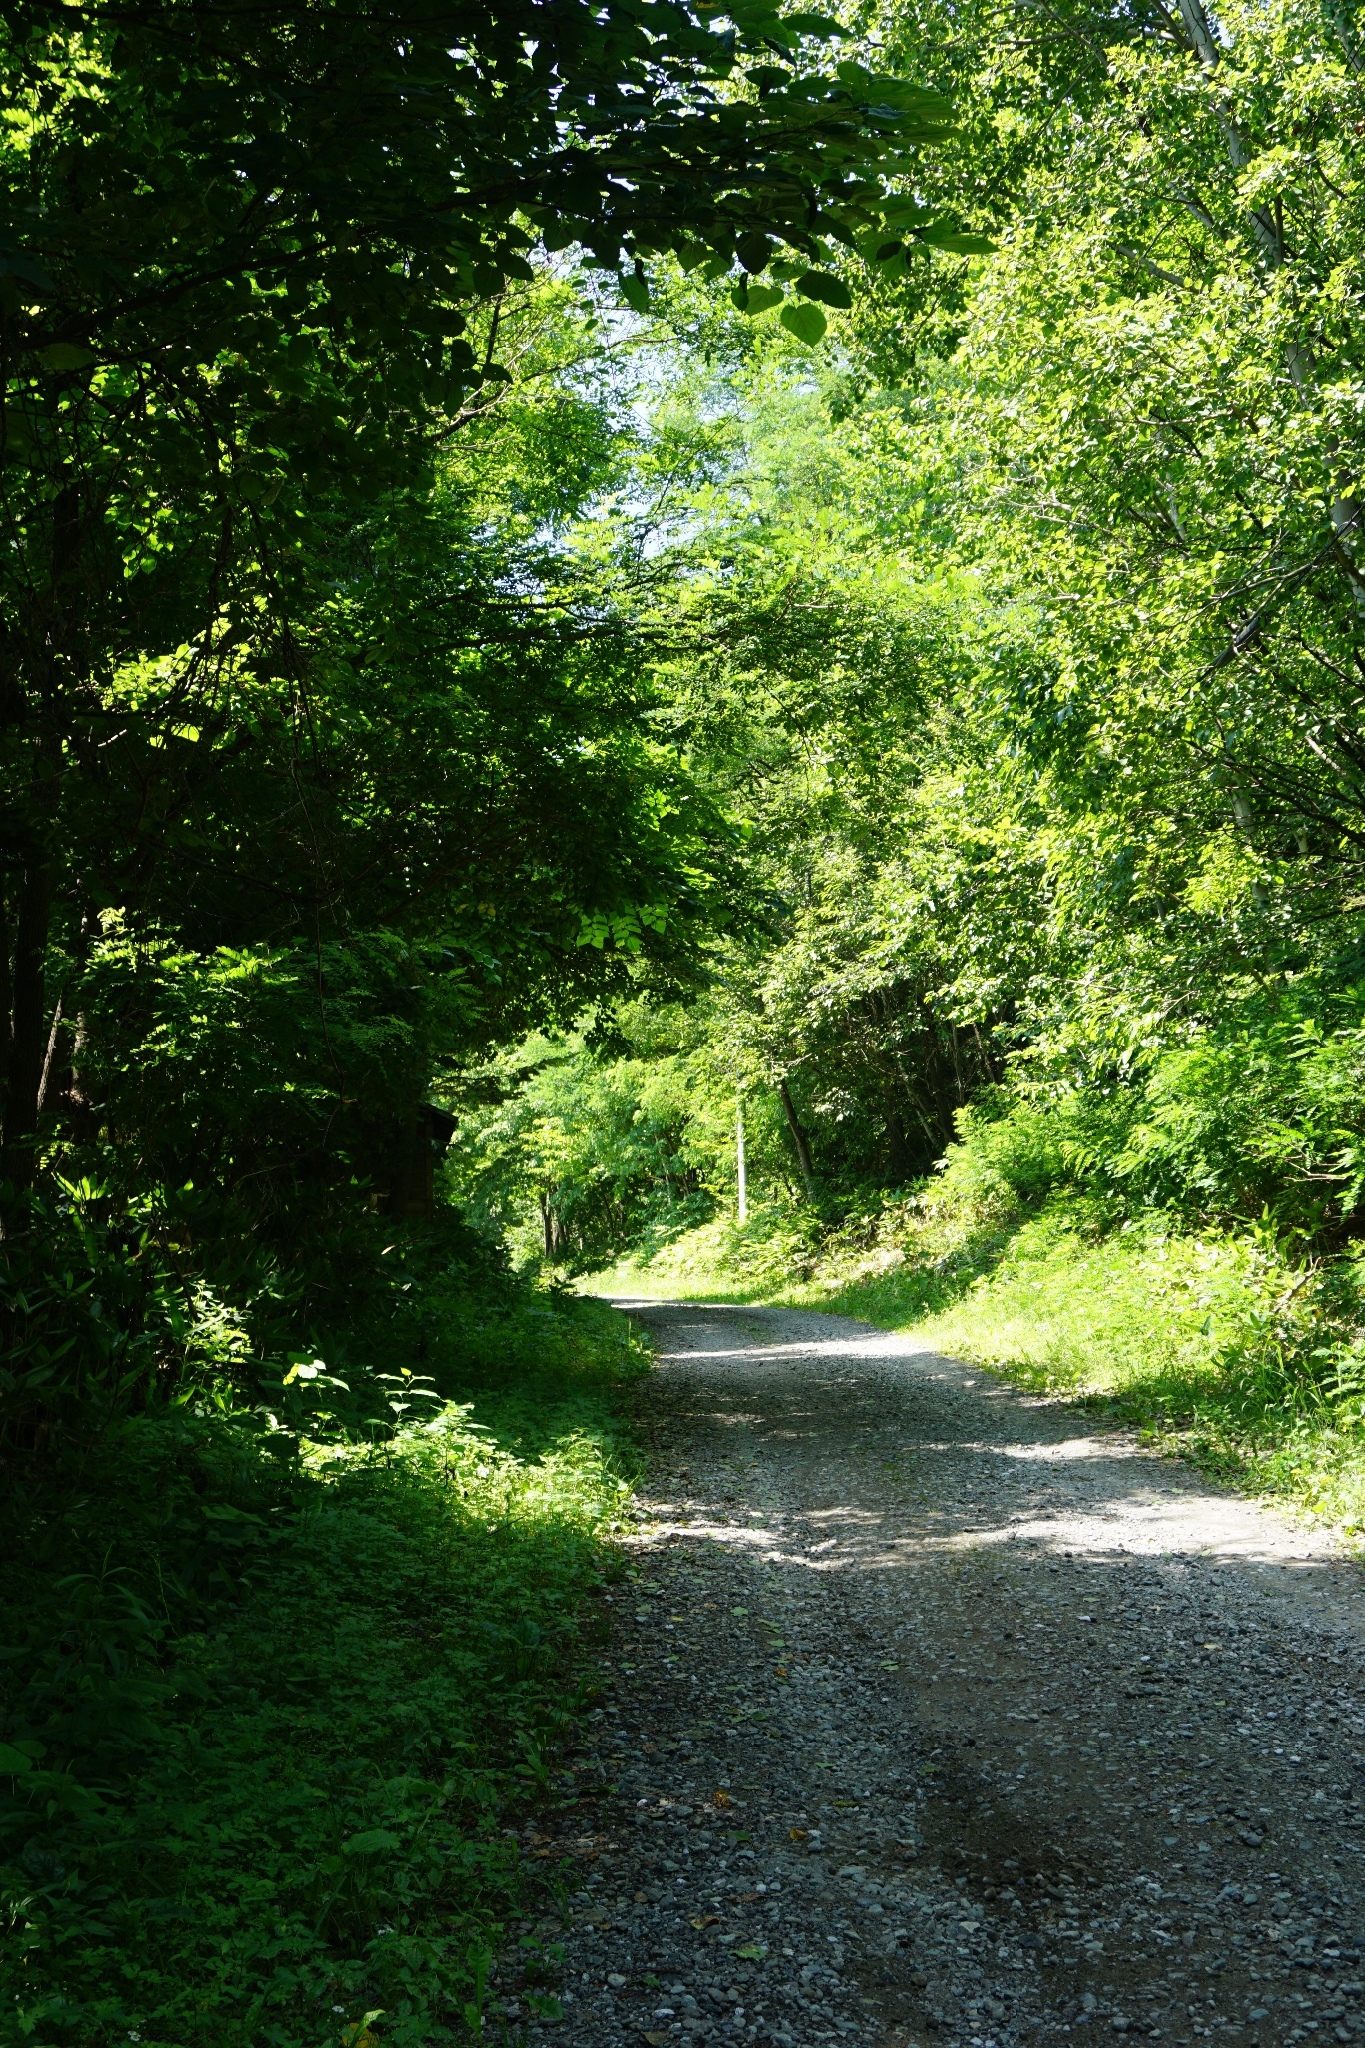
936, 1714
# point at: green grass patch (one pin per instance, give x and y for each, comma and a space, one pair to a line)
268, 1702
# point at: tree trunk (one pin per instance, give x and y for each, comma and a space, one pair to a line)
741, 1175
28, 1042
549, 1223
799, 1139
6, 999
897, 1150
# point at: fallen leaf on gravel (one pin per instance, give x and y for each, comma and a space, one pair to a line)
642, 1898
707, 1920
891, 1667
656, 2040
747, 1898
798, 1834
752, 1952
720, 1799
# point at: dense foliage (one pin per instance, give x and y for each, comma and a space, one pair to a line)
327, 770
321, 766
604, 575
265, 1718
1029, 655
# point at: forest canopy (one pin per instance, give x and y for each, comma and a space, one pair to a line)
571, 570
326, 757
1023, 631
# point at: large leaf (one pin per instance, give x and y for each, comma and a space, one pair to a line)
954, 241
906, 212
756, 298
805, 321
818, 25
925, 113
65, 355
819, 284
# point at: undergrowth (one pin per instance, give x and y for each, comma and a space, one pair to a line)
269, 1692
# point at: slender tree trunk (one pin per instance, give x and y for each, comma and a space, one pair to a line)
6, 999
28, 1045
799, 1139
28, 982
48, 1057
897, 1150
741, 1175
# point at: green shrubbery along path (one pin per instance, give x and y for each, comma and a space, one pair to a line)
267, 1716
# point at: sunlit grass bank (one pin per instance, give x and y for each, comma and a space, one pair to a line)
266, 1716
1214, 1345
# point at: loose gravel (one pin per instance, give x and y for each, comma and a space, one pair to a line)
936, 1715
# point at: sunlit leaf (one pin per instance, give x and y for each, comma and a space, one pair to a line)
805, 321
756, 298
954, 242
635, 291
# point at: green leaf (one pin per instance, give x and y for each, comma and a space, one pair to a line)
13, 1761
754, 299
907, 211
635, 291
941, 236
64, 355
371, 1842
819, 284
928, 111
754, 251
14, 263
812, 25
806, 322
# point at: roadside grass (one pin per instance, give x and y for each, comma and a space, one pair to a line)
722, 1259
1215, 1345
269, 1702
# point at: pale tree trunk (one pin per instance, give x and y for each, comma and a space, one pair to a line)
741, 1176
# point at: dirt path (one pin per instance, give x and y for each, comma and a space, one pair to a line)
936, 1716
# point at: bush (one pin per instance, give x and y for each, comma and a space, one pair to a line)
269, 1699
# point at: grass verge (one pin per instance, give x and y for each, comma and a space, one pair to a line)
267, 1703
